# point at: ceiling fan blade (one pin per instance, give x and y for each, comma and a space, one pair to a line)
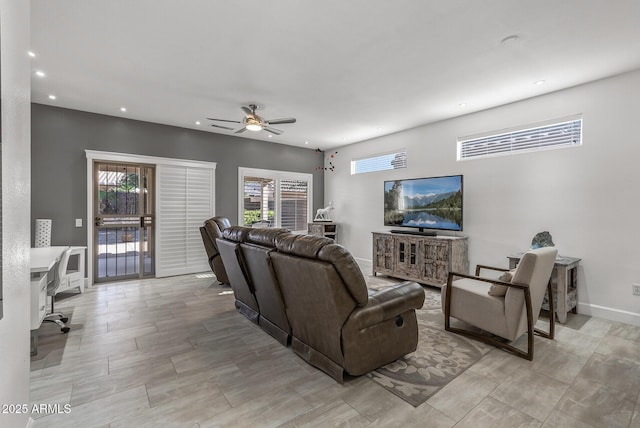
223, 127
224, 120
273, 130
246, 109
240, 131
279, 121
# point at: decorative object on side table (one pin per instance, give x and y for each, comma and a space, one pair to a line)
324, 214
542, 239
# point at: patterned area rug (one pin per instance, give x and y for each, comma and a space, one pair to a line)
441, 356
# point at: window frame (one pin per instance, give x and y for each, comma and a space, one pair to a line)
277, 176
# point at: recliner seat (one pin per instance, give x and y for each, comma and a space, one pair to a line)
336, 326
229, 248
210, 231
256, 249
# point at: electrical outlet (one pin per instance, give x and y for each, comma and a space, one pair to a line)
635, 289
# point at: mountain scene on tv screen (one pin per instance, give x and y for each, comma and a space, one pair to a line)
434, 203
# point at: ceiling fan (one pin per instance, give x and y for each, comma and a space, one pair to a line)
253, 122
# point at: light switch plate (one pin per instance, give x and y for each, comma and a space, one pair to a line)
78, 222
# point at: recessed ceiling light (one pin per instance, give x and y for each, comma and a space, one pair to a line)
52, 97
197, 122
539, 82
306, 142
32, 54
462, 105
270, 136
40, 73
379, 128
123, 109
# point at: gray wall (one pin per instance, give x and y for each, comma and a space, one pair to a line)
58, 163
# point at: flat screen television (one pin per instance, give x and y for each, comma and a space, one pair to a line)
424, 203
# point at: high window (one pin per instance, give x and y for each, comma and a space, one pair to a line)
275, 199
380, 162
556, 134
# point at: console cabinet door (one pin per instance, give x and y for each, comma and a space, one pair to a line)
407, 256
383, 254
436, 261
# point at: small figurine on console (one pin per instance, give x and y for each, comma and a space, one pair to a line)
323, 214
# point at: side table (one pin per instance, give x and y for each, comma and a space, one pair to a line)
566, 272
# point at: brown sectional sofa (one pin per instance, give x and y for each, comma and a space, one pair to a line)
211, 230
309, 291
229, 248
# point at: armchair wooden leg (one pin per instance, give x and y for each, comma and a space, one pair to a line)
552, 315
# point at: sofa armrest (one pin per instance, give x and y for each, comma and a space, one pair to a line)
388, 303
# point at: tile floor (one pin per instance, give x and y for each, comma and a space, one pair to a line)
174, 352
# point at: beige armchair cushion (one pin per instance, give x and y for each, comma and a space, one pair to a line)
500, 290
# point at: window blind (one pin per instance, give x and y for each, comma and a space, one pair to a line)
293, 204
559, 134
185, 201
380, 162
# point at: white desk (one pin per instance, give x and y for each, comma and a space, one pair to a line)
42, 261
45, 258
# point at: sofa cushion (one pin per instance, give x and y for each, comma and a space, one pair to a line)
302, 245
236, 233
265, 236
348, 269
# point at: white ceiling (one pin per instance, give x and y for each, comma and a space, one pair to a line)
348, 70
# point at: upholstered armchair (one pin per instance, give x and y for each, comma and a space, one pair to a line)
505, 308
211, 230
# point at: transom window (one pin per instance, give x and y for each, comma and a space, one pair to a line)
556, 134
380, 162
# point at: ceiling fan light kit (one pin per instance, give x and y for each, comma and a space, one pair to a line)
253, 122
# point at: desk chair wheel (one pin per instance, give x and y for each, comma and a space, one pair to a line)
65, 329
64, 319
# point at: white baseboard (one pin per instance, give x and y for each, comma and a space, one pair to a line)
609, 313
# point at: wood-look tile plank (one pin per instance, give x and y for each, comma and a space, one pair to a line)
539, 397
462, 394
334, 414
597, 405
267, 410
104, 410
491, 413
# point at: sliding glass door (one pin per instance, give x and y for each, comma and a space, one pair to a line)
123, 221
275, 199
